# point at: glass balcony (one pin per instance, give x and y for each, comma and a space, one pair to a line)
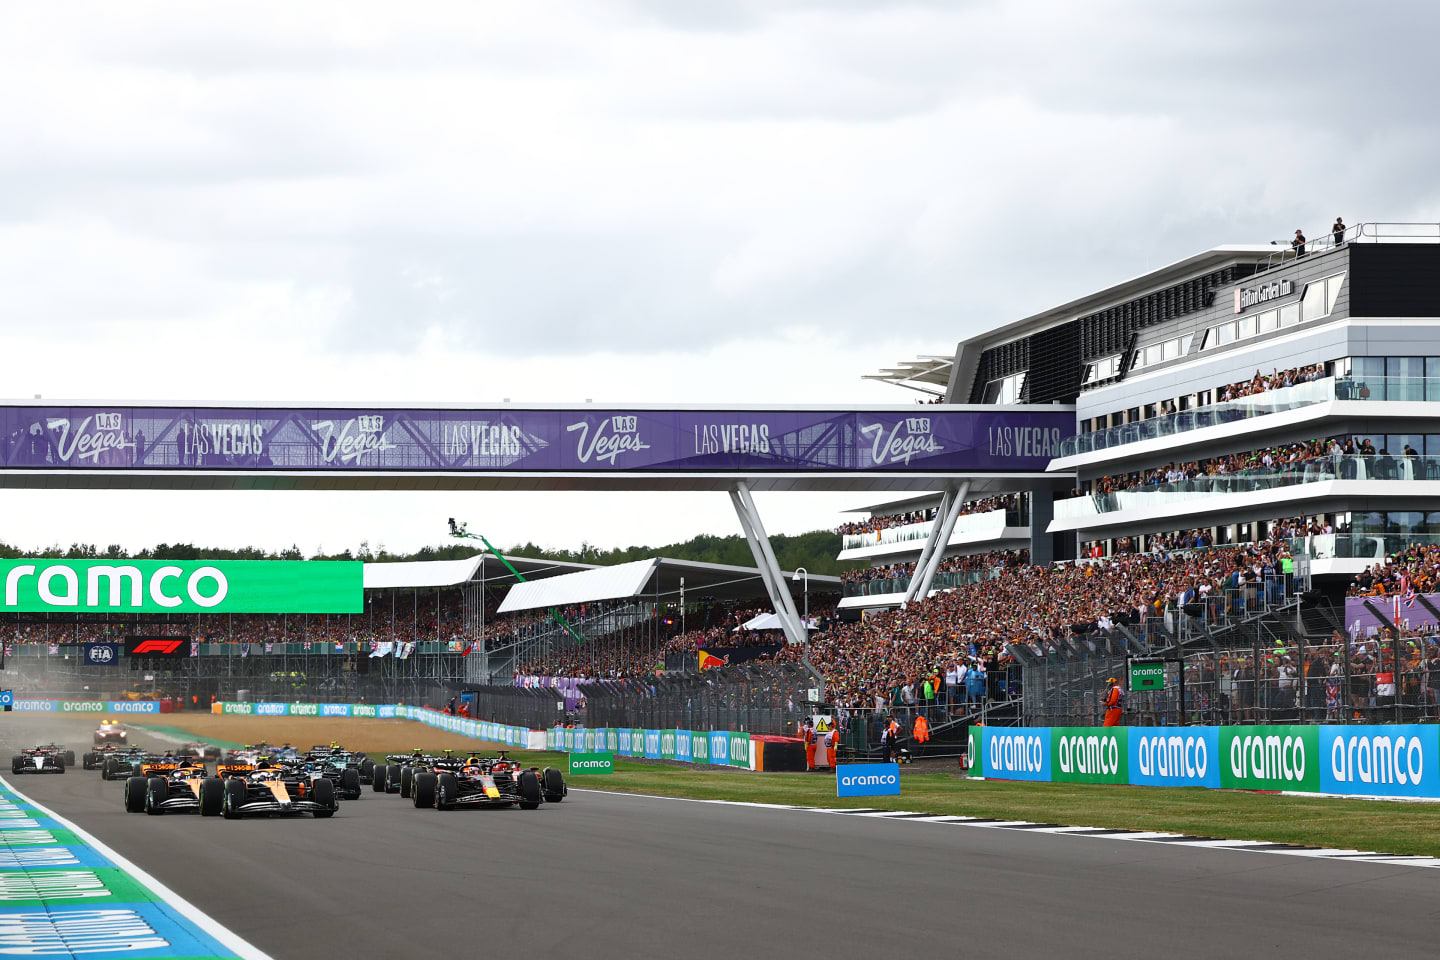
1150, 496
1258, 405
1374, 546
971, 523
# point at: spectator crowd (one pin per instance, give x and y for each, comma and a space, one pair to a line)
875, 524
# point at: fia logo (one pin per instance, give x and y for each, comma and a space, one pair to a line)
612, 437
102, 654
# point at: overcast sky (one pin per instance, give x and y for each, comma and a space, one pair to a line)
631, 201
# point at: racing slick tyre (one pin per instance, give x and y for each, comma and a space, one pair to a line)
325, 795
553, 785
157, 791
407, 780
378, 782
422, 790
367, 770
350, 783
60, 764
447, 788
234, 798
87, 761
529, 785
392, 778
135, 795
16, 765
212, 796
69, 758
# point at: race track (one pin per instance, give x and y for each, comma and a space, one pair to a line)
615, 876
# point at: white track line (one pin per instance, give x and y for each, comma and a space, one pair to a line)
172, 899
1142, 836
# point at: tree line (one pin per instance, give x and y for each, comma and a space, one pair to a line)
815, 551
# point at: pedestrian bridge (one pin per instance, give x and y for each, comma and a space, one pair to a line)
950, 448
127, 444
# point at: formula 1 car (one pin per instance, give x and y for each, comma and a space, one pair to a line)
111, 731
92, 759
205, 751
340, 769
42, 759
187, 787
266, 789
336, 754
487, 782
119, 764
397, 775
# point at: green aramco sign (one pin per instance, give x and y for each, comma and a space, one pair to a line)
165, 586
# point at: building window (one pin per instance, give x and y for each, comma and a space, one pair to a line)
1102, 369
1005, 390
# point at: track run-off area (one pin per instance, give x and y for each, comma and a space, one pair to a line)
616, 875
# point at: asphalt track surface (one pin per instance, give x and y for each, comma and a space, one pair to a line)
615, 876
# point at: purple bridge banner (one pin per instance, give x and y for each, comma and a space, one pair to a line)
585, 440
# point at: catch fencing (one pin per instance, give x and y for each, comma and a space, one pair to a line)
761, 698
1266, 672
345, 672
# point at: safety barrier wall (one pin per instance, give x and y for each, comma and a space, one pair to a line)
1372, 760
481, 729
721, 748
724, 748
87, 706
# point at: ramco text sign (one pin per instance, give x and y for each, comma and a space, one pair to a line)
163, 586
867, 780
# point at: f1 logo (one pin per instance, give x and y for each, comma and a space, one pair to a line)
161, 647
156, 646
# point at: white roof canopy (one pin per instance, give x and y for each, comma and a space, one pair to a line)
420, 573
602, 583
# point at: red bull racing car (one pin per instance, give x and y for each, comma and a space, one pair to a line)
486, 782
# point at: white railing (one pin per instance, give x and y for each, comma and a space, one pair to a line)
992, 521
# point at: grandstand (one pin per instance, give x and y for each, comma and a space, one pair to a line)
1238, 459
427, 629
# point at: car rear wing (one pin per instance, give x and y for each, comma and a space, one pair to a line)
234, 769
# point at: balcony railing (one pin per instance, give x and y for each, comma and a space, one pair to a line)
971, 523
1285, 255
1359, 546
1414, 389
1151, 496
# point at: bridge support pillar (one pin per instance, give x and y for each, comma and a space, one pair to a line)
795, 630
934, 551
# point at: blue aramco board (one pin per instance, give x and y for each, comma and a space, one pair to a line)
867, 780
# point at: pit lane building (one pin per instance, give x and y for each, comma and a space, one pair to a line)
1144, 365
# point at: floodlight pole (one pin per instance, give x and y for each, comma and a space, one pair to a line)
458, 530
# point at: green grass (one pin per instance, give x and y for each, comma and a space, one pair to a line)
1384, 827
